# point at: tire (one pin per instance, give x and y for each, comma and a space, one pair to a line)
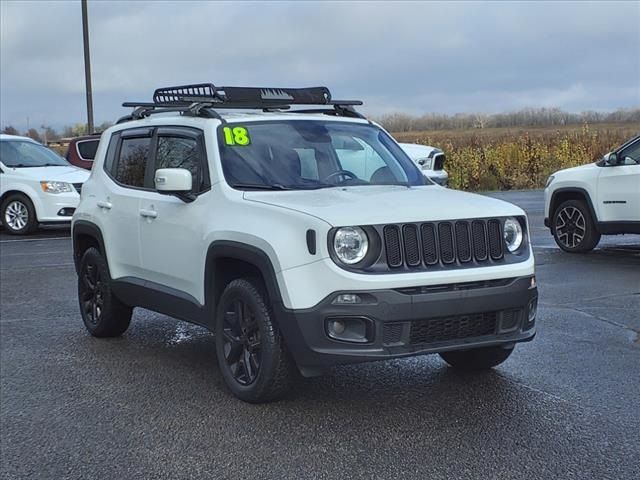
102, 313
573, 228
246, 335
477, 358
18, 214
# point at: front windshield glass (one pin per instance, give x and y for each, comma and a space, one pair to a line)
22, 154
309, 154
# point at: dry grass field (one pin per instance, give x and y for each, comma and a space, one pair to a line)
519, 158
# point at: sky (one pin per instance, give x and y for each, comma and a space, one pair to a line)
413, 57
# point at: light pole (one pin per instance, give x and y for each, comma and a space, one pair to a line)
87, 67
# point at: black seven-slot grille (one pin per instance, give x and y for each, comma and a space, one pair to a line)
446, 243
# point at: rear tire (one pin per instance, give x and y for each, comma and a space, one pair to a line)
573, 228
103, 314
18, 214
477, 358
251, 352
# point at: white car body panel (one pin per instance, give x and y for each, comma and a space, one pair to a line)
424, 157
27, 181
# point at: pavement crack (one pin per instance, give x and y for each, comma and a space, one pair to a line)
636, 331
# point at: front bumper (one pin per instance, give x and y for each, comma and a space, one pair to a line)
416, 321
57, 208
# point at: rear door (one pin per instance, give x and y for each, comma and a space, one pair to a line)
171, 230
619, 187
118, 203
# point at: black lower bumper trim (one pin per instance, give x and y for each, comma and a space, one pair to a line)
413, 324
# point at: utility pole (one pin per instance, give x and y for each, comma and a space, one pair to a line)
87, 67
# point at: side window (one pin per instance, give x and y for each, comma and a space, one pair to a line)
181, 152
132, 162
630, 155
111, 153
87, 149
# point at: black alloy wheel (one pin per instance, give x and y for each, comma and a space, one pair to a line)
241, 342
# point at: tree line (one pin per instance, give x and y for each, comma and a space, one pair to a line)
530, 117
48, 134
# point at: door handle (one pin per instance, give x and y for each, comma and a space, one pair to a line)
106, 205
148, 213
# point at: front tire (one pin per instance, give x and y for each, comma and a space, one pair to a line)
18, 214
103, 314
251, 353
477, 358
573, 228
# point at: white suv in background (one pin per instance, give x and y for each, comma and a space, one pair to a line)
601, 198
302, 238
430, 161
36, 185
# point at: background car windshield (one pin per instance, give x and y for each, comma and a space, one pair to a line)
302, 154
18, 154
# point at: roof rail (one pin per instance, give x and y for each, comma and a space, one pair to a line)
203, 99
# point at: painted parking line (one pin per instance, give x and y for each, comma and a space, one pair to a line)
34, 239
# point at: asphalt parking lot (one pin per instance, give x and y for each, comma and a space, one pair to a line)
152, 404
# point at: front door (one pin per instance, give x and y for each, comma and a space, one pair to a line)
171, 230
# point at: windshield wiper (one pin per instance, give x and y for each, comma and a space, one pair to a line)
22, 165
260, 186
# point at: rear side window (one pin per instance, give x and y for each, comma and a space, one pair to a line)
87, 149
132, 161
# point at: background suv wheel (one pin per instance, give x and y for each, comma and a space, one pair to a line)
573, 227
252, 356
18, 214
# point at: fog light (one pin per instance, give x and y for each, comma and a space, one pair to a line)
66, 212
350, 329
336, 327
533, 309
347, 299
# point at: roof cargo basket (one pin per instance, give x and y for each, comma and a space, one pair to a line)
203, 99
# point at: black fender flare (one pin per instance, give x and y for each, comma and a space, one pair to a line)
83, 227
246, 253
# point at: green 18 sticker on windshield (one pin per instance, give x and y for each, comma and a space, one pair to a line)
236, 136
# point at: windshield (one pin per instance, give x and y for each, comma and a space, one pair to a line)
309, 154
22, 154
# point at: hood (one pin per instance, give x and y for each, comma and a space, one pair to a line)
580, 168
61, 174
371, 205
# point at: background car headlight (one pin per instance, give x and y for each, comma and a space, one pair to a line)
512, 234
549, 180
350, 244
56, 187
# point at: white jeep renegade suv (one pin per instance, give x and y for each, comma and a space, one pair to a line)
602, 198
302, 238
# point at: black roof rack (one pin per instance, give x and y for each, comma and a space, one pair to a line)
203, 99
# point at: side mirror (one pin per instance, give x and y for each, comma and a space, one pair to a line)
176, 181
611, 159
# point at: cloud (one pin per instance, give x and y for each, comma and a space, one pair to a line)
402, 56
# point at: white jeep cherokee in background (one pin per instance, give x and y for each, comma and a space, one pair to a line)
601, 198
430, 161
37, 186
302, 238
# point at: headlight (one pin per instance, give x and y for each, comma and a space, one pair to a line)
512, 234
350, 244
56, 187
549, 180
